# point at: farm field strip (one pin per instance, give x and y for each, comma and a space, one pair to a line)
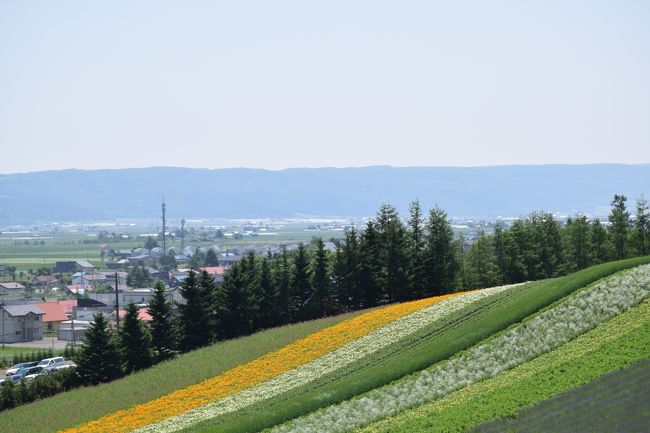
366, 345
252, 373
412, 339
612, 345
620, 400
546, 331
519, 303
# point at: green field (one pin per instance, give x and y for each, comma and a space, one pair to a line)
616, 344
616, 402
81, 405
65, 246
461, 332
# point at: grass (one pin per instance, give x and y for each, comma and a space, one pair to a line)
86, 404
462, 334
612, 403
620, 342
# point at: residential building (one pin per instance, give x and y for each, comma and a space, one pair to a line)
21, 323
54, 315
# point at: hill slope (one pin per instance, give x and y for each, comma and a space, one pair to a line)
78, 195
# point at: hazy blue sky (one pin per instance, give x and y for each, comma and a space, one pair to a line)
277, 84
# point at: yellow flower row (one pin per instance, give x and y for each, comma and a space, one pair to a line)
253, 372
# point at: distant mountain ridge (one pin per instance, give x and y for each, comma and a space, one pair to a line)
94, 195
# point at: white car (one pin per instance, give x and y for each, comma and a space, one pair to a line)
14, 368
51, 363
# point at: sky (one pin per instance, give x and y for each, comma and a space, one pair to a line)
278, 84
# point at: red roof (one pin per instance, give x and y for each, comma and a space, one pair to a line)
143, 315
54, 312
68, 305
12, 286
74, 288
214, 270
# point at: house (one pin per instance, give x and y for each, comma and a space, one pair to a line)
12, 290
229, 259
216, 272
78, 289
73, 330
143, 315
21, 323
71, 266
87, 280
54, 315
45, 281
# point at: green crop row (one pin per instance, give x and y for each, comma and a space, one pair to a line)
468, 331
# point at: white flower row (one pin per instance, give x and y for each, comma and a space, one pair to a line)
575, 315
367, 345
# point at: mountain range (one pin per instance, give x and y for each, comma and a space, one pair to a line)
97, 195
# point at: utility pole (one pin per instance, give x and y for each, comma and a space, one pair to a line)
117, 300
183, 238
2, 307
164, 226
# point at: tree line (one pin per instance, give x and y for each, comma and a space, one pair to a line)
388, 260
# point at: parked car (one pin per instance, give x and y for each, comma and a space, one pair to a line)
50, 363
14, 368
23, 373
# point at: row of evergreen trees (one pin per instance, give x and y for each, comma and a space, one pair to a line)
389, 260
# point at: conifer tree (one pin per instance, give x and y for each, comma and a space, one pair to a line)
370, 268
619, 219
210, 304
439, 255
321, 302
135, 342
416, 250
192, 321
211, 258
98, 360
269, 309
301, 290
282, 282
162, 331
393, 276
642, 226
599, 243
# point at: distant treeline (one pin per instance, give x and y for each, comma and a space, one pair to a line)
390, 260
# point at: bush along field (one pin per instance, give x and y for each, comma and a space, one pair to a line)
447, 363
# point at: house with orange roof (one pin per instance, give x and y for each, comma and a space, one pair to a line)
54, 315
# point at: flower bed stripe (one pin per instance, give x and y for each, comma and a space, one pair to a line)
546, 331
619, 342
252, 373
366, 345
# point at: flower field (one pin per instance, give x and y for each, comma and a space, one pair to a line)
252, 373
368, 344
545, 332
446, 363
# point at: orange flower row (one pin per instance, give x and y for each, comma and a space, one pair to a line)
253, 372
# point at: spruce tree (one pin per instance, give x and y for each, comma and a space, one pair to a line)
416, 250
642, 227
208, 295
322, 302
578, 248
301, 290
162, 331
98, 360
269, 309
370, 268
211, 258
193, 319
282, 282
135, 342
619, 219
599, 243
439, 254
393, 254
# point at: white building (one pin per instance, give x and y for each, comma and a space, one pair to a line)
21, 323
